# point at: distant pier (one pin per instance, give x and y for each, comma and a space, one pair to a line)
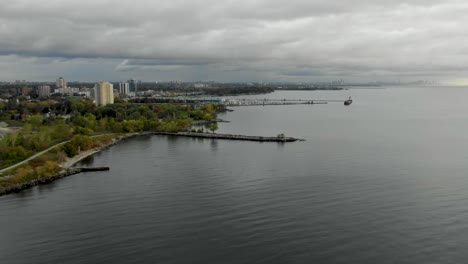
263, 102
231, 101
88, 169
280, 139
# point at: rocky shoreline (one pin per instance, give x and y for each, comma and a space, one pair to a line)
68, 171
26, 185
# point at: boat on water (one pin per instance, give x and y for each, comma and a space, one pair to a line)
348, 102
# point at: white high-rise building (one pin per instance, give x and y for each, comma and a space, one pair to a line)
124, 88
104, 93
61, 83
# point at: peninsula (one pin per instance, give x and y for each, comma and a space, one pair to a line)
51, 136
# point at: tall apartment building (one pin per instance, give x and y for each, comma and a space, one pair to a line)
124, 88
43, 91
133, 85
61, 83
104, 93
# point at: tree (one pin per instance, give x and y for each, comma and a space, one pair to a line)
61, 132
82, 142
208, 117
50, 167
213, 127
210, 108
82, 131
70, 149
35, 121
23, 172
13, 154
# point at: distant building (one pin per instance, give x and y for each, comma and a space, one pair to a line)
43, 91
85, 92
64, 91
61, 83
104, 93
92, 92
25, 91
75, 90
133, 85
124, 88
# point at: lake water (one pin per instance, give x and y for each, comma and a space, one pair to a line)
384, 180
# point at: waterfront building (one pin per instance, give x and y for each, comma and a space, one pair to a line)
104, 93
61, 83
43, 91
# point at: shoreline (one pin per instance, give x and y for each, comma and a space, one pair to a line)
68, 169
68, 164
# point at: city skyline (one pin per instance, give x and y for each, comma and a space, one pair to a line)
225, 41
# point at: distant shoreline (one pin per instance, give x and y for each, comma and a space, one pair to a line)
312, 89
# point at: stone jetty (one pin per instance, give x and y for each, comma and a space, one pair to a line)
231, 137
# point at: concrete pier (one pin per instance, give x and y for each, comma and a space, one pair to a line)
231, 137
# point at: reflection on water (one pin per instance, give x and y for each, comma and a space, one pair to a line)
214, 144
382, 181
46, 188
87, 161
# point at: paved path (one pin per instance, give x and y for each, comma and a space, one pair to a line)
32, 157
39, 154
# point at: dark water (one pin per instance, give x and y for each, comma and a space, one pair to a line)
382, 181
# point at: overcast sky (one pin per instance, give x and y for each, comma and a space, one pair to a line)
234, 40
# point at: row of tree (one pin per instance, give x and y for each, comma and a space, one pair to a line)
47, 126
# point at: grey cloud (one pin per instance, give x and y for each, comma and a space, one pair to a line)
261, 39
302, 73
164, 64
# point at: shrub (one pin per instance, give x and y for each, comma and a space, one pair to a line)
70, 149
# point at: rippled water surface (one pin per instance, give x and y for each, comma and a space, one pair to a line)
382, 181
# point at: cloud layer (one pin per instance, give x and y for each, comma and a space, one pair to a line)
243, 39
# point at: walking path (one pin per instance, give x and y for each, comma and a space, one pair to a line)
65, 165
31, 158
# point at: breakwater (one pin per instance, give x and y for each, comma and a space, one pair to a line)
231, 137
88, 169
17, 187
68, 170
